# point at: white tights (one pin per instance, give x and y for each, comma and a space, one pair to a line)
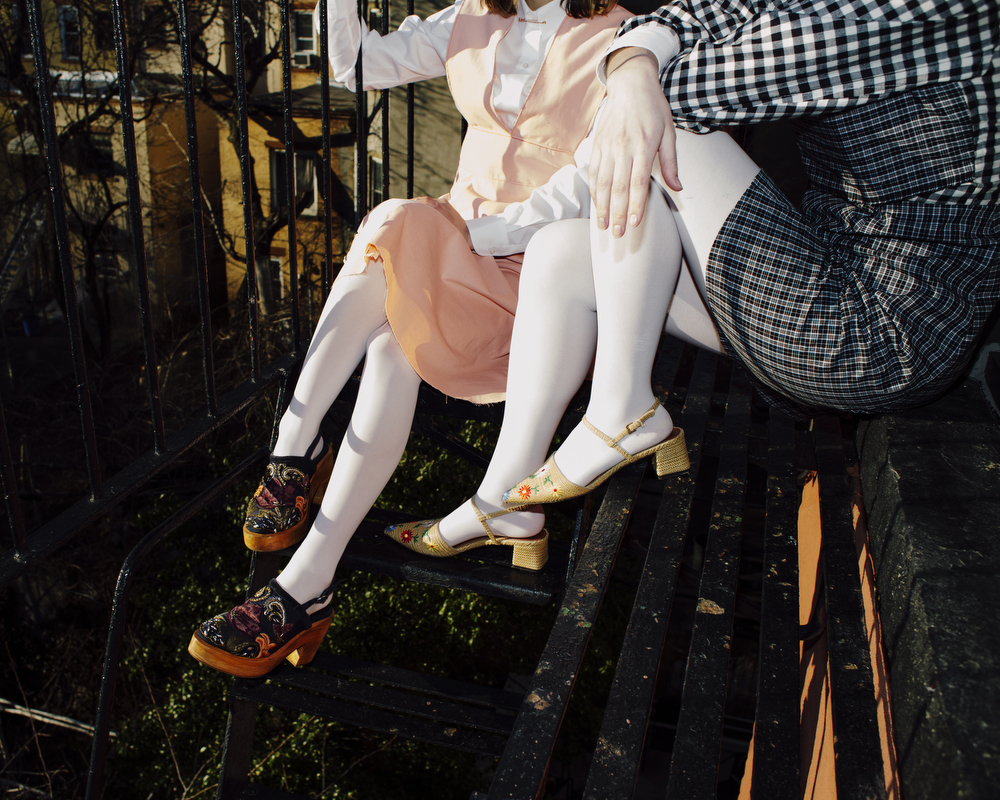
573, 286
352, 326
567, 268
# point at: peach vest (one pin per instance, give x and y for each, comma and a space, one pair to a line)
499, 166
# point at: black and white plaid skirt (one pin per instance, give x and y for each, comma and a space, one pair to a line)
829, 319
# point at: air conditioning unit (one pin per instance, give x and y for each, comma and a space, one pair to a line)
305, 61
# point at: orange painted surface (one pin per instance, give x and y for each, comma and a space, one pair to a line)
816, 738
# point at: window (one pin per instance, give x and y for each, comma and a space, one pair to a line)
159, 26
69, 32
376, 194
92, 153
98, 154
21, 31
277, 264
104, 30
307, 192
303, 41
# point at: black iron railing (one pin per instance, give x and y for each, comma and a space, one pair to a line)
31, 548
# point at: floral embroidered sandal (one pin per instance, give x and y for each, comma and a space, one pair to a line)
252, 639
549, 485
424, 537
278, 512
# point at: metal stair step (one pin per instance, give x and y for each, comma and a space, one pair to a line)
391, 700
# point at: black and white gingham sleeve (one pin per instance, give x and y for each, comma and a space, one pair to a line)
746, 61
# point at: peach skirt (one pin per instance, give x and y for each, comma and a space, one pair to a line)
450, 309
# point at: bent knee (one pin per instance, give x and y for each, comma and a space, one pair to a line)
558, 253
378, 215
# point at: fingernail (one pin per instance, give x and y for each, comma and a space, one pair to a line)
618, 230
633, 220
602, 223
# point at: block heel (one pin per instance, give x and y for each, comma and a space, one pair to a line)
547, 484
251, 639
311, 640
424, 537
672, 455
529, 553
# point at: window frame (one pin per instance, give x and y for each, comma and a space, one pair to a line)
63, 12
277, 168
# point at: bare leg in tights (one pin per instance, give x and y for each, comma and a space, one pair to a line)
637, 278
553, 347
352, 326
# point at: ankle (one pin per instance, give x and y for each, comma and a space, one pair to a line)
298, 444
303, 591
463, 523
631, 423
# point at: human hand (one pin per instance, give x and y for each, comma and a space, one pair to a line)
446, 208
634, 129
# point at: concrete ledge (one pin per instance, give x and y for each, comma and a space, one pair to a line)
931, 482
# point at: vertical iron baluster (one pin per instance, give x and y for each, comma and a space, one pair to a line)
410, 103
246, 176
54, 164
324, 81
136, 223
361, 152
197, 211
286, 93
9, 477
385, 112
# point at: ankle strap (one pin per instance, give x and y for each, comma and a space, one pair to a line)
484, 517
305, 463
326, 593
632, 427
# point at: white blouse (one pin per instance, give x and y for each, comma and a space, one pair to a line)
417, 51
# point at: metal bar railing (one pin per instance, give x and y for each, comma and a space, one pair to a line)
361, 157
8, 476
136, 222
290, 176
410, 104
247, 185
57, 192
385, 110
31, 549
56, 532
324, 74
123, 590
197, 207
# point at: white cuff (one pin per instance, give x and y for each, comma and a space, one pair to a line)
660, 40
489, 235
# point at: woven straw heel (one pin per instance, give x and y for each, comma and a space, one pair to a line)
529, 553
425, 537
549, 485
672, 456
